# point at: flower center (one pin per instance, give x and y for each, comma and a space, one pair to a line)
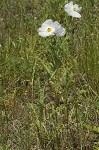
74, 9
49, 30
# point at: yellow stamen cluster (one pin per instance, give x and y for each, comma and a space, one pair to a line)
74, 9
49, 30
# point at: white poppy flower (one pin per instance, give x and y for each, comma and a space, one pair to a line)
49, 28
73, 10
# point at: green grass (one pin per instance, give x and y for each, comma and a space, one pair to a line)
49, 92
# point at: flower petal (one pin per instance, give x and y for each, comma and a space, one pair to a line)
70, 4
75, 6
79, 9
59, 30
74, 14
48, 21
45, 34
67, 7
